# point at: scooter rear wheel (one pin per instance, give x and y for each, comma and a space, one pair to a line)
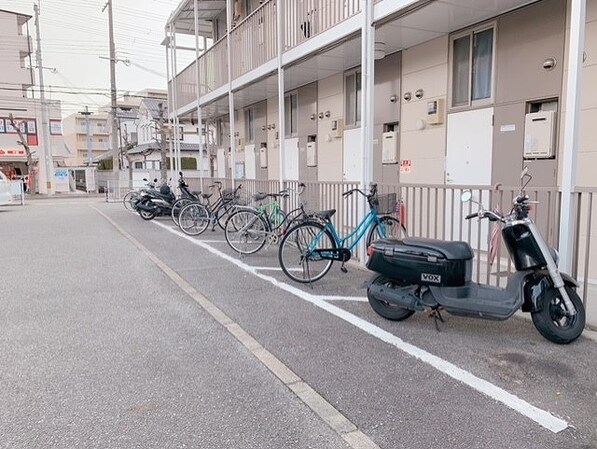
385, 309
553, 321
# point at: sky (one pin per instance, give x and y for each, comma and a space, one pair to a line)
75, 48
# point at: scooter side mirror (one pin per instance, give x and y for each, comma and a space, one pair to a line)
466, 196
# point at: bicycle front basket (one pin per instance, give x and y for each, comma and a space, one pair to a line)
386, 204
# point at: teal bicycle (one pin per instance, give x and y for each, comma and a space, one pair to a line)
308, 250
249, 229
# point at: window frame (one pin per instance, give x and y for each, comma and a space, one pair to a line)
292, 107
249, 117
356, 89
471, 32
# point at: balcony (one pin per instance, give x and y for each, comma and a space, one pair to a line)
254, 40
305, 19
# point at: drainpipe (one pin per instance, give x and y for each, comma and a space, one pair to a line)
572, 111
367, 109
229, 12
281, 117
170, 96
198, 82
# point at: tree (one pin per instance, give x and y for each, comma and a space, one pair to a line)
25, 145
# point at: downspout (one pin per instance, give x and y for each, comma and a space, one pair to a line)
281, 116
199, 119
176, 120
367, 116
571, 128
229, 7
170, 97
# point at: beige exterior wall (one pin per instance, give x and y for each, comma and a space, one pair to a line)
273, 143
423, 67
330, 156
75, 137
14, 55
587, 145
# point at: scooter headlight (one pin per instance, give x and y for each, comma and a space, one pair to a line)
555, 255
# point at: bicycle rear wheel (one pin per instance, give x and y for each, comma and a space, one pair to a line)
246, 231
177, 207
387, 227
298, 255
193, 219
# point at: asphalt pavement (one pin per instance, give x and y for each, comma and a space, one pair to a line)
122, 333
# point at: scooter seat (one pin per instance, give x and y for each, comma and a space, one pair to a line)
451, 250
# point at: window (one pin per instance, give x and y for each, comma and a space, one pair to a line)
291, 114
138, 164
353, 98
472, 67
250, 124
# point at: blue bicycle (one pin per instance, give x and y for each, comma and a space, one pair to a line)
309, 249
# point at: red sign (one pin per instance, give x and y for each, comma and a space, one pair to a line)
12, 153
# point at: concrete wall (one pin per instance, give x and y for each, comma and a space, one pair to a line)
330, 97
525, 39
424, 67
587, 145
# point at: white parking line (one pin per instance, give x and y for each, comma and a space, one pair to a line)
541, 417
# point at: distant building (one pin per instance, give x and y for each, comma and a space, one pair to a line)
17, 97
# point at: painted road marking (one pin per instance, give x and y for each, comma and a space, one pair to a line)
347, 430
541, 417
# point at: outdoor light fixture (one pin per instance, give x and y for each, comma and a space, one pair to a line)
393, 98
419, 93
407, 96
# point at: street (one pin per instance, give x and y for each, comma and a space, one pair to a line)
122, 333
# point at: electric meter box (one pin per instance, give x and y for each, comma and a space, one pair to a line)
312, 154
263, 156
435, 111
337, 127
539, 135
389, 147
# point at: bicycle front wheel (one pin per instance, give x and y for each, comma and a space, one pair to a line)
246, 231
386, 227
129, 200
193, 219
305, 252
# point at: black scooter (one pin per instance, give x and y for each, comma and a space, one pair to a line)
417, 274
153, 203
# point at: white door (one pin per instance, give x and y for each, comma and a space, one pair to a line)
291, 159
250, 163
468, 162
352, 157
221, 159
469, 147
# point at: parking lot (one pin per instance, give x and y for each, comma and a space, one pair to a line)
126, 333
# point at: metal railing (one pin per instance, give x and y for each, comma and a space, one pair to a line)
186, 85
304, 19
213, 66
435, 211
254, 39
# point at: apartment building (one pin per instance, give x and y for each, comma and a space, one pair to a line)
426, 95
17, 98
86, 136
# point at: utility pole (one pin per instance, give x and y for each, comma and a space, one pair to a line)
45, 165
86, 113
114, 106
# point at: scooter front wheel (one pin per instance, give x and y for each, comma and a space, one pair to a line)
387, 310
553, 320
